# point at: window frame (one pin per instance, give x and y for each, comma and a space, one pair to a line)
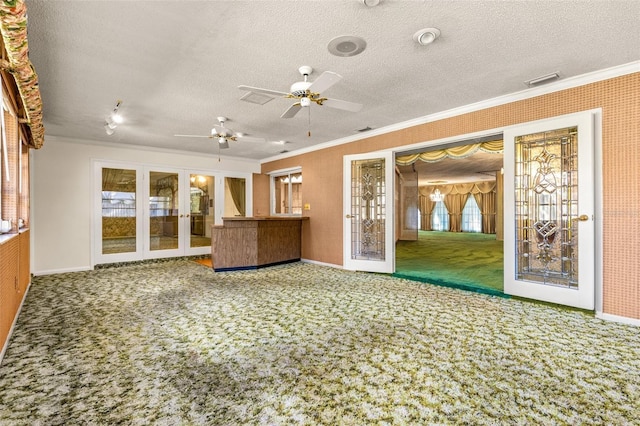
444, 215
284, 173
471, 214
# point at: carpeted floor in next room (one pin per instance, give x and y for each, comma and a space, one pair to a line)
455, 259
174, 343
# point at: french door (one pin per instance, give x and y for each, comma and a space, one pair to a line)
368, 231
145, 212
179, 214
549, 230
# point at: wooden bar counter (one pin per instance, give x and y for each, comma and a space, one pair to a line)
255, 242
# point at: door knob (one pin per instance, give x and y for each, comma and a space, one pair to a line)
581, 218
348, 216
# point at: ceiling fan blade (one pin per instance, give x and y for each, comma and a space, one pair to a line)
263, 91
194, 136
344, 105
326, 80
291, 111
250, 139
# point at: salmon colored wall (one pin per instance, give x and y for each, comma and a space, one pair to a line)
619, 99
260, 195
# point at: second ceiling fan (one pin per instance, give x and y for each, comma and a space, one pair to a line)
307, 92
223, 135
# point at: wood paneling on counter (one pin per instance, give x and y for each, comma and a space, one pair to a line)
251, 243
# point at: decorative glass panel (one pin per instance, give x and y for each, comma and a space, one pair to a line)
546, 206
368, 193
118, 211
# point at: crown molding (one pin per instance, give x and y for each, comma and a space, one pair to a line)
120, 145
568, 83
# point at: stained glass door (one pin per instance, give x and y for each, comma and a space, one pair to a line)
368, 213
549, 210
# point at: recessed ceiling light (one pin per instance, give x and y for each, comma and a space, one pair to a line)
370, 3
347, 45
426, 36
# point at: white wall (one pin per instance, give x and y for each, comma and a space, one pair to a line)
61, 198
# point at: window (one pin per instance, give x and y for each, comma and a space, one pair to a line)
440, 217
10, 172
118, 204
471, 216
286, 193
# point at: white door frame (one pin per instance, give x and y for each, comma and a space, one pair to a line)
583, 296
597, 113
389, 263
142, 208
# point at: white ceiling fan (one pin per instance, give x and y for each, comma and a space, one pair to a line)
224, 135
307, 92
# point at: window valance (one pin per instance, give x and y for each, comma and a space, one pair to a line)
460, 188
13, 26
455, 152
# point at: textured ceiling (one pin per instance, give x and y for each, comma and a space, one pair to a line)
176, 65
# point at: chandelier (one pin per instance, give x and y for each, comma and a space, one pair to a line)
436, 196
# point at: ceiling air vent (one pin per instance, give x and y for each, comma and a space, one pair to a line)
256, 98
542, 79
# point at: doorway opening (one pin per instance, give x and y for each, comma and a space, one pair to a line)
450, 215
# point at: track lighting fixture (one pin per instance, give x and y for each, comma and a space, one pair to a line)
113, 119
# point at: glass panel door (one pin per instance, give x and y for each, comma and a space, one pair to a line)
150, 212
549, 231
368, 229
119, 212
201, 211
164, 213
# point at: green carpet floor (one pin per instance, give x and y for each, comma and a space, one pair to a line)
174, 343
455, 259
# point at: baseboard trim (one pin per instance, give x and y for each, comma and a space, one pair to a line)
62, 271
616, 318
315, 262
254, 267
